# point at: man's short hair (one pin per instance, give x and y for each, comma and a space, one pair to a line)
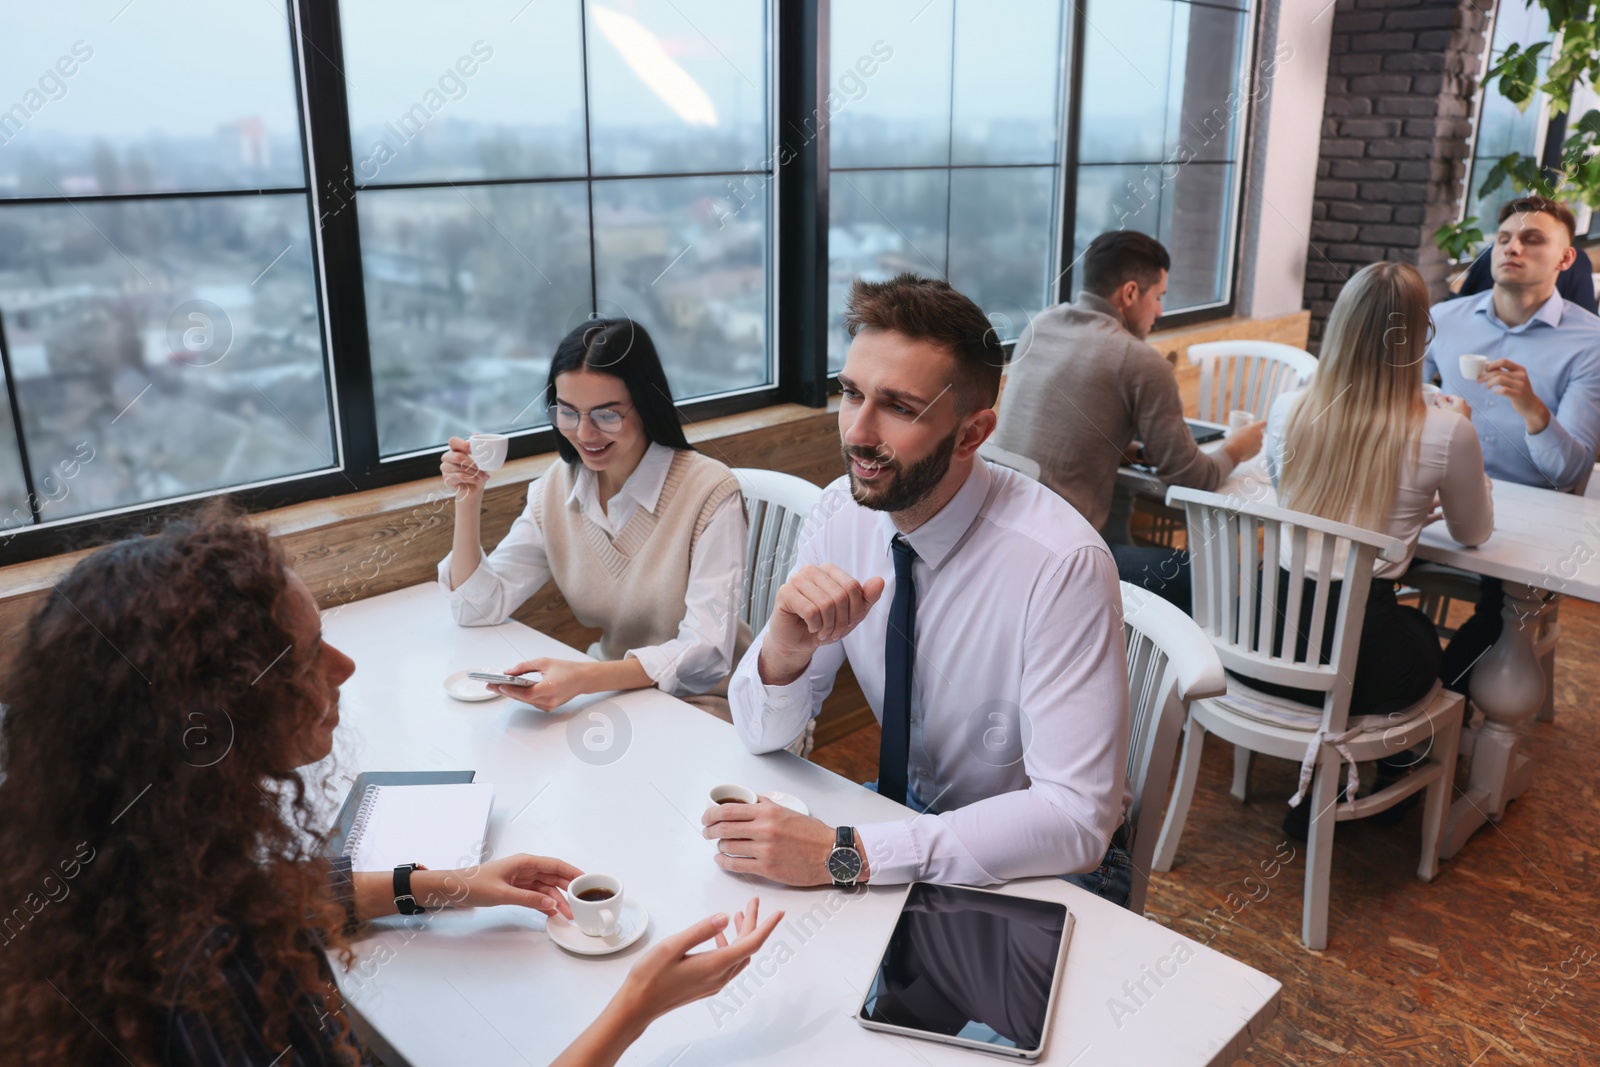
927, 309
1539, 205
1120, 256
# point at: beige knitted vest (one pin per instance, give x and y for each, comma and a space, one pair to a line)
633, 587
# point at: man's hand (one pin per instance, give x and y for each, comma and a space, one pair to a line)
816, 606
1244, 442
769, 840
1511, 381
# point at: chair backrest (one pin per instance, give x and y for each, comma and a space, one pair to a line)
1234, 560
1247, 375
1005, 458
1170, 663
776, 505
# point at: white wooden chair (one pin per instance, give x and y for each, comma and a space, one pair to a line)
1234, 553
1005, 458
1247, 375
1170, 663
776, 505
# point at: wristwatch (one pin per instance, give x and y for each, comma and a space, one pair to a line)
844, 862
404, 902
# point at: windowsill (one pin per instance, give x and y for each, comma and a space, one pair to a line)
300, 520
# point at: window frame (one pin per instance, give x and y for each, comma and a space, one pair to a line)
798, 39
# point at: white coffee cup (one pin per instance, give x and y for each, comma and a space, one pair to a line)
597, 918
1238, 420
489, 450
1472, 366
1431, 394
733, 794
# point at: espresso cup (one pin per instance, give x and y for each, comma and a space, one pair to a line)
596, 901
488, 450
733, 794
1238, 420
1472, 366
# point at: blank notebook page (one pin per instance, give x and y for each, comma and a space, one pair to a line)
441, 827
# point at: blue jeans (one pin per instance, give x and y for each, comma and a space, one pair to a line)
1112, 880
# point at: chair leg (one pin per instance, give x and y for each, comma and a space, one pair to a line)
1547, 710
1242, 759
1194, 739
1319, 850
1436, 809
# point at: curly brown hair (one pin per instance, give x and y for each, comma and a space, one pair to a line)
151, 800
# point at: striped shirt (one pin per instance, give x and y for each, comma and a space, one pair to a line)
193, 1039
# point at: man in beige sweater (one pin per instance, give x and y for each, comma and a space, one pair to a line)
1083, 386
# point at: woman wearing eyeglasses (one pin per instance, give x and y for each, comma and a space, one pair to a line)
643, 536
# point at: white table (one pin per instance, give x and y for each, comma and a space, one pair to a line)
1544, 543
489, 987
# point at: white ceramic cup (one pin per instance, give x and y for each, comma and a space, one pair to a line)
597, 918
1431, 394
488, 450
1238, 420
1472, 366
733, 794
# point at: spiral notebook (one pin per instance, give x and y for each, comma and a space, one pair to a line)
441, 826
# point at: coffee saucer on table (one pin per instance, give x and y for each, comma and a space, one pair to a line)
461, 687
788, 800
631, 925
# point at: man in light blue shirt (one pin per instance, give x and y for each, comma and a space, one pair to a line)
1536, 404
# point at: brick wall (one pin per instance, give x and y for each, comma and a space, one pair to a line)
1402, 79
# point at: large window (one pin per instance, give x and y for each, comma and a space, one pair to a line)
521, 169
944, 153
1504, 128
285, 248
162, 334
1162, 129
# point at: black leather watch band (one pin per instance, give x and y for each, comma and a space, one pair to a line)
404, 902
844, 862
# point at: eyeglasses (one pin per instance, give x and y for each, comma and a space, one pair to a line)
606, 420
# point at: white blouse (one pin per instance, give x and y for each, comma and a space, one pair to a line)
702, 653
1449, 464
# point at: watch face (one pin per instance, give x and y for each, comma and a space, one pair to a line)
844, 864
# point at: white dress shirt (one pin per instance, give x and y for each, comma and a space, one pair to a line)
702, 653
1019, 705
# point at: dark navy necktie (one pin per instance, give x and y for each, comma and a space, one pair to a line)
899, 656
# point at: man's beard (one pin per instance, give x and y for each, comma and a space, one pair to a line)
908, 486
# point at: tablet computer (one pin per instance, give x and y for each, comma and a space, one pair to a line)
1206, 432
970, 967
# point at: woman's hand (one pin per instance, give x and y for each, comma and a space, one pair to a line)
1451, 402
561, 681
669, 976
531, 881
461, 475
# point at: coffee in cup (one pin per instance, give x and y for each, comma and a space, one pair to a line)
1472, 366
733, 794
596, 901
1238, 420
489, 450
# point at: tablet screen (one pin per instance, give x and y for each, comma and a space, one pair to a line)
971, 965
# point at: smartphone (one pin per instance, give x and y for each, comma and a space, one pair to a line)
523, 680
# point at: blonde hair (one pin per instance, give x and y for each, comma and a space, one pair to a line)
1362, 415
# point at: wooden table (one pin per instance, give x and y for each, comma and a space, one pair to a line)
1544, 543
618, 784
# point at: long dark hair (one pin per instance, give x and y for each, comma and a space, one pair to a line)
151, 801
623, 349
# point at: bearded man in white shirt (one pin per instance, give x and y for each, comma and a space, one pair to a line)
980, 613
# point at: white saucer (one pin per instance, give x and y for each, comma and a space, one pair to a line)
461, 687
631, 925
788, 800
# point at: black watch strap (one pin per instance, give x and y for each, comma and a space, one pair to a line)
404, 902
844, 837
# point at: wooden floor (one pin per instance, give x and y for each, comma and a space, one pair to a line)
1496, 962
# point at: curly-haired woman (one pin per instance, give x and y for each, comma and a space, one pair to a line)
171, 904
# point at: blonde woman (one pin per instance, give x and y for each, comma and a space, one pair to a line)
1360, 444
